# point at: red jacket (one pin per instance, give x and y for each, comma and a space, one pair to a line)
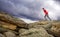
45, 11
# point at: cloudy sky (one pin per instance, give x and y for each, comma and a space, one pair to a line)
31, 9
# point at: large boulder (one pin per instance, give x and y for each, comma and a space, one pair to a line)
42, 22
55, 30
34, 32
1, 35
12, 20
7, 25
2, 30
9, 34
52, 27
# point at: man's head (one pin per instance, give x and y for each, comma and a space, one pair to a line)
42, 8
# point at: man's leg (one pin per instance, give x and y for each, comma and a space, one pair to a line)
48, 17
45, 17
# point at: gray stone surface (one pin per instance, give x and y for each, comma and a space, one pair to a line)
1, 35
9, 34
34, 32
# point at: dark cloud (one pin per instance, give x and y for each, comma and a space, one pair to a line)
57, 1
22, 8
31, 9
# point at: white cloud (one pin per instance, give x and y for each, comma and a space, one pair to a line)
53, 9
27, 20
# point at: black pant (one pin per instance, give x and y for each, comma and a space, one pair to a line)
47, 16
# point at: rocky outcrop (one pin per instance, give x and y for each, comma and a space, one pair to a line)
7, 25
13, 27
1, 35
55, 29
9, 34
34, 32
12, 20
52, 27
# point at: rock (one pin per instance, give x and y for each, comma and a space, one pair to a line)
12, 20
22, 30
3, 30
7, 25
1, 35
55, 30
9, 34
34, 32
47, 26
42, 22
51, 35
52, 27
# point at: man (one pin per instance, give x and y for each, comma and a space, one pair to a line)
46, 14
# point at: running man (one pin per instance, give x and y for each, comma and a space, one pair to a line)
46, 14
